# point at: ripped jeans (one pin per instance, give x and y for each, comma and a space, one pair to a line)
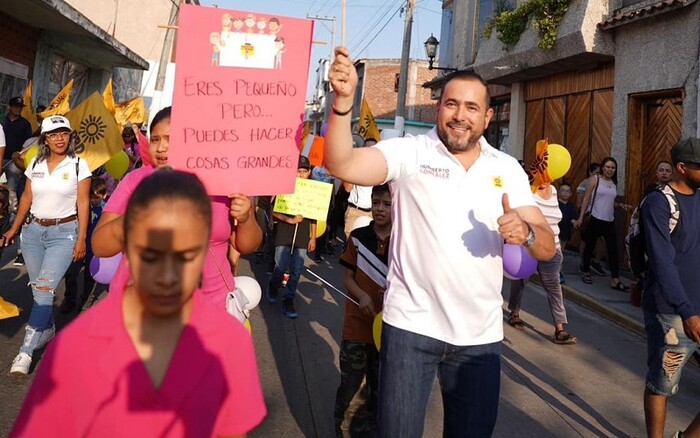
668, 350
48, 251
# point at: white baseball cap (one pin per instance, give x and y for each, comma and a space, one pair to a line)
53, 123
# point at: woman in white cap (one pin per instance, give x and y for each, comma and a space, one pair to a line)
54, 211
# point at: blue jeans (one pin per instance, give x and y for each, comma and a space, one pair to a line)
668, 350
48, 251
285, 259
470, 379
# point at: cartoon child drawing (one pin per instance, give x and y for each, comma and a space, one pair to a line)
279, 47
215, 41
238, 24
261, 26
250, 23
226, 23
274, 26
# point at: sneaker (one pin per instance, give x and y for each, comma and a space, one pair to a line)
597, 269
19, 260
271, 295
288, 309
318, 258
21, 364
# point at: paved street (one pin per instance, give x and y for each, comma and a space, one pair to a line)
589, 389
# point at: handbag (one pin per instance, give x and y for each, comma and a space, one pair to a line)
589, 211
236, 301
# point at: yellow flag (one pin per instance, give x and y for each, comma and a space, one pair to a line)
305, 133
99, 136
7, 309
28, 110
130, 112
367, 125
108, 97
60, 104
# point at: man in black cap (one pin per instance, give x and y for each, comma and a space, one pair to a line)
17, 131
671, 299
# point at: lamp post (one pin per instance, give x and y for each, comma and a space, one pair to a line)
431, 46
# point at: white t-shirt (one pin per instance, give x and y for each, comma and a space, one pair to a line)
446, 269
55, 195
2, 138
361, 196
551, 212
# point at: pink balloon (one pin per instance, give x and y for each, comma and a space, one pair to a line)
517, 263
103, 269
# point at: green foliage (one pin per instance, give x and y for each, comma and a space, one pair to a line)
545, 15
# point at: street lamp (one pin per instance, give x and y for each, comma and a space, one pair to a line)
431, 45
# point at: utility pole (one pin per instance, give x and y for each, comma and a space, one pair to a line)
403, 74
326, 18
164, 59
343, 12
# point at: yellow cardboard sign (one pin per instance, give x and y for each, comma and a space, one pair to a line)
310, 199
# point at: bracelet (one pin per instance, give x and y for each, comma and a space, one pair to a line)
341, 113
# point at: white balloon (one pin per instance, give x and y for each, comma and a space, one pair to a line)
361, 221
251, 289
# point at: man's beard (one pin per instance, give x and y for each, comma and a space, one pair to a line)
454, 147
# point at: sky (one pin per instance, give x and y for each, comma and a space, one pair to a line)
374, 27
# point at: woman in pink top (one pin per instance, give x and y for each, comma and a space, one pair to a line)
245, 237
154, 358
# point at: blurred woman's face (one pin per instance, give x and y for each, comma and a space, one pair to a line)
160, 143
609, 169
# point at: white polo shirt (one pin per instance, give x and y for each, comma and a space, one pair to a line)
55, 194
446, 270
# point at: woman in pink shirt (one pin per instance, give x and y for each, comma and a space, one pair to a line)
244, 237
154, 358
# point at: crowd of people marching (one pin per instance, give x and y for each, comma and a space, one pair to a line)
159, 351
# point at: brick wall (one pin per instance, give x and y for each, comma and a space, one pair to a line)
18, 41
379, 89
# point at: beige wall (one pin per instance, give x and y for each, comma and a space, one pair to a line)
132, 22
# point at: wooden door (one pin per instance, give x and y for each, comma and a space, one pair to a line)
654, 127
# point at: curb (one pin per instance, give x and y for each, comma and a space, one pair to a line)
594, 305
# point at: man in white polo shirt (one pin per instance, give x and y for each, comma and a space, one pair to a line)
455, 199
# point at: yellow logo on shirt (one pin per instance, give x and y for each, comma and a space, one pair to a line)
65, 176
497, 181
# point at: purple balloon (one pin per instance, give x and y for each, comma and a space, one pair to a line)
324, 128
103, 269
517, 263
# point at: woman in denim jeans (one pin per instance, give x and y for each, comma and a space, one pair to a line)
54, 211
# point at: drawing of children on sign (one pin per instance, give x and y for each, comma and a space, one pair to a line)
261, 24
247, 43
215, 41
274, 26
279, 46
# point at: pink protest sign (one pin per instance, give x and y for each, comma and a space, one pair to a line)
240, 86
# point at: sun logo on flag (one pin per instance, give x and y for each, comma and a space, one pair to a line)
92, 129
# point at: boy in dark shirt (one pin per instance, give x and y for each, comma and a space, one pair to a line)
671, 299
300, 233
365, 260
98, 192
568, 214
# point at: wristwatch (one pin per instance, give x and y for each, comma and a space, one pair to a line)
530, 239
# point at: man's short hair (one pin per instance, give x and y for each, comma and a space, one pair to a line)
466, 76
380, 189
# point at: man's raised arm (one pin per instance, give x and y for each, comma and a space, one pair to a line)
361, 166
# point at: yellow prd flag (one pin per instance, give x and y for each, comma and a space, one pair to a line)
7, 309
367, 125
60, 104
130, 112
28, 110
108, 97
99, 136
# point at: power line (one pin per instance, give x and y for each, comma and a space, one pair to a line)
380, 31
363, 35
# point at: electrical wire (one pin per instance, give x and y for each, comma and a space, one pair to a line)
363, 32
379, 32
